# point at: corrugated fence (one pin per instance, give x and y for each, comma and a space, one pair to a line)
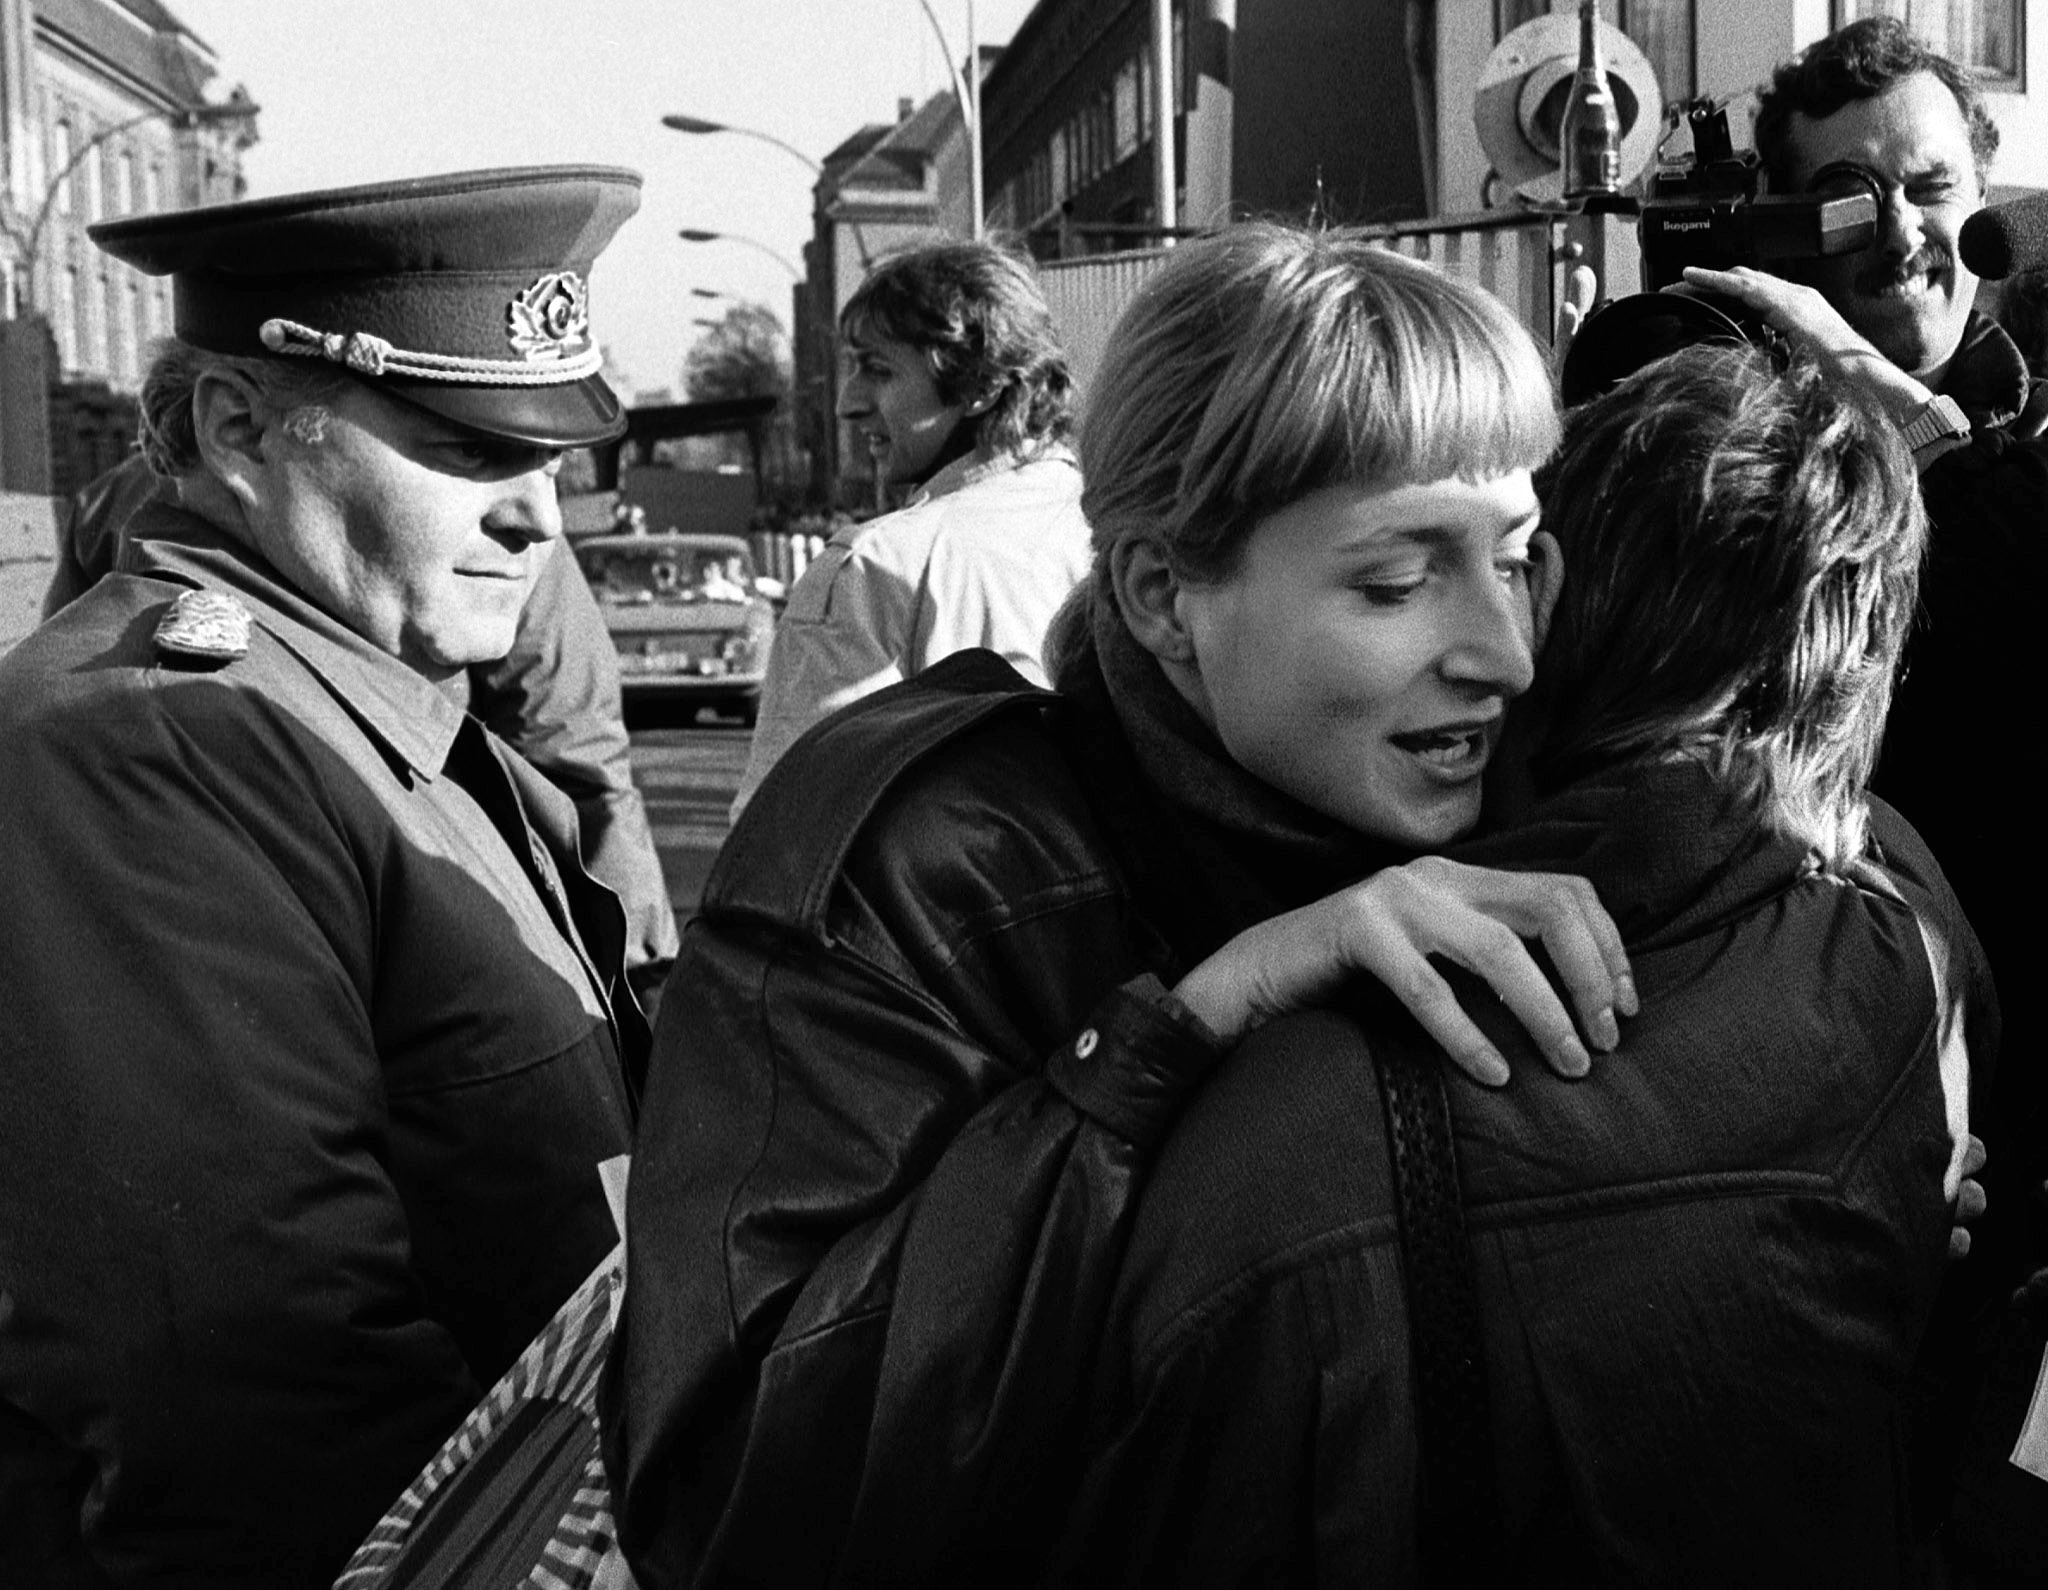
1512, 254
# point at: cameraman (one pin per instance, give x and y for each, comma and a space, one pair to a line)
1871, 105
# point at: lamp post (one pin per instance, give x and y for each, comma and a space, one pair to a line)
701, 126
967, 95
693, 234
25, 343
183, 117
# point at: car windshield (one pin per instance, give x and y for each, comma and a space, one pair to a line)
667, 573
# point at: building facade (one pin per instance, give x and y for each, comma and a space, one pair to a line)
1361, 111
107, 108
1280, 107
887, 187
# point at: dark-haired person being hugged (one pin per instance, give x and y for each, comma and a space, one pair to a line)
965, 956
1701, 1274
957, 387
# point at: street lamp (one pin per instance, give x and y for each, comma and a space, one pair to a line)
697, 124
692, 234
240, 108
968, 97
700, 125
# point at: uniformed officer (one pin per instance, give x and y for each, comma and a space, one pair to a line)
314, 1032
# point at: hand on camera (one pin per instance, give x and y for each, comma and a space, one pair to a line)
1389, 926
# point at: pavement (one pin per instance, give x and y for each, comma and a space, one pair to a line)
687, 775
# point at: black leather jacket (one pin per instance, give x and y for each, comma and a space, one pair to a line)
869, 1117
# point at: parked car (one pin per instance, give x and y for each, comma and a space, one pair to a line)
686, 613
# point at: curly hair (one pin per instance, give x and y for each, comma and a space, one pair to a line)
975, 312
1268, 361
167, 438
1742, 551
1861, 61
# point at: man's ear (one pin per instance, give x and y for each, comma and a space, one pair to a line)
1546, 581
1148, 594
234, 426
979, 403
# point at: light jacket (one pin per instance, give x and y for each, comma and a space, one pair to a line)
981, 556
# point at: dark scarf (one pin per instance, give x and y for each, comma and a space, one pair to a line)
1667, 845
1212, 849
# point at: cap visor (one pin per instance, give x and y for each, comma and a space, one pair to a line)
576, 414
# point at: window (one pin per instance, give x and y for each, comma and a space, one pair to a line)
94, 305
120, 337
1180, 60
1127, 113
61, 157
1661, 29
1105, 130
126, 198
38, 165
95, 189
1984, 35
153, 186
65, 321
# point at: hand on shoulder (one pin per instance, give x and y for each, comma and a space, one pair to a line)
1390, 924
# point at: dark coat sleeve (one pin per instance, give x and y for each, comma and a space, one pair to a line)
215, 1361
878, 1196
555, 698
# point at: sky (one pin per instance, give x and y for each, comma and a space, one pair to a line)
366, 90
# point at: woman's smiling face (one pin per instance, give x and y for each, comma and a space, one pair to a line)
1362, 653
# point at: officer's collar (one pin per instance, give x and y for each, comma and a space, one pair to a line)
1987, 376
410, 714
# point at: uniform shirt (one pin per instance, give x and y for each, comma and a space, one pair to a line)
983, 556
310, 1055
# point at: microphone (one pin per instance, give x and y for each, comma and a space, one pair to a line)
2007, 238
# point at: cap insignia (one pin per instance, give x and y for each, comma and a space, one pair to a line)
551, 318
205, 624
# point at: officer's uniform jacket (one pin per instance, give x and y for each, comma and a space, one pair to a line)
313, 1037
554, 698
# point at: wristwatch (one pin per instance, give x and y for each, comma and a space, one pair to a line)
1938, 423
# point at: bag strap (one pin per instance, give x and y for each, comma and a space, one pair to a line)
1461, 1524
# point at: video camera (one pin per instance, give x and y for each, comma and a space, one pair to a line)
1707, 212
1710, 213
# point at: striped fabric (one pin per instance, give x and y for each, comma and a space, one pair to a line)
476, 1501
